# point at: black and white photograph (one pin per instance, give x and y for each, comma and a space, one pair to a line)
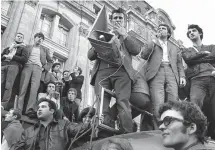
107, 75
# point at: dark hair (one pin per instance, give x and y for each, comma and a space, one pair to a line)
85, 111
65, 71
191, 113
121, 144
51, 104
80, 70
20, 33
197, 28
51, 82
119, 10
17, 113
55, 64
168, 29
40, 34
72, 89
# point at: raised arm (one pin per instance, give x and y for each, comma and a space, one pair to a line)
92, 55
147, 50
132, 45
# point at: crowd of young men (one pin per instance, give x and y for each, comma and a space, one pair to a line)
156, 82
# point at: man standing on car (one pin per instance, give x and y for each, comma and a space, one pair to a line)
117, 77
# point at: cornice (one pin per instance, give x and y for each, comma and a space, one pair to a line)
80, 9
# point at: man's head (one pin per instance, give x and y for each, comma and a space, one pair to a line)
65, 73
39, 38
19, 38
181, 122
13, 114
164, 31
194, 32
51, 86
56, 67
83, 115
72, 94
118, 17
117, 144
46, 109
77, 70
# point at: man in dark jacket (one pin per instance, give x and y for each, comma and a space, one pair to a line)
49, 133
13, 58
69, 105
118, 76
74, 80
200, 60
11, 129
183, 125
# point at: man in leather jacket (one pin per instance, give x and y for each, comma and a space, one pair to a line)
49, 133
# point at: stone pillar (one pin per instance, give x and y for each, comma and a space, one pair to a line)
15, 16
55, 23
73, 45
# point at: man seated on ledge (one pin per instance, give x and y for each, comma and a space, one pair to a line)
49, 133
183, 125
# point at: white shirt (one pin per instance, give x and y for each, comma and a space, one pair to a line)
34, 58
165, 51
4, 145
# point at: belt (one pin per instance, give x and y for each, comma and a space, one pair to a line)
165, 64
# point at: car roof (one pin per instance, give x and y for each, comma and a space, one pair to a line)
145, 140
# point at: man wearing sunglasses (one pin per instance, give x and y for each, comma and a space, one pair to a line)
183, 125
200, 60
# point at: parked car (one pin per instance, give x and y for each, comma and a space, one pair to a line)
146, 140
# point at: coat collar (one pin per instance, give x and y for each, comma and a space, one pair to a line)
158, 44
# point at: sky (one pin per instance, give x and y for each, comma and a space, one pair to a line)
184, 12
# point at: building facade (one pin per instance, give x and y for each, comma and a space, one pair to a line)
66, 25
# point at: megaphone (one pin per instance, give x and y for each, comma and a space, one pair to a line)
103, 42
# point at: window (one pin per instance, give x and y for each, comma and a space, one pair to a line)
5, 7
45, 24
62, 35
96, 9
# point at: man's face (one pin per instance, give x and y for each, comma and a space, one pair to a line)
50, 88
193, 34
9, 116
65, 74
175, 134
118, 19
162, 32
71, 95
43, 111
57, 68
19, 38
38, 40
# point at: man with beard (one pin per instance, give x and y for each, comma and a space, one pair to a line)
200, 60
13, 59
183, 125
38, 60
164, 71
49, 133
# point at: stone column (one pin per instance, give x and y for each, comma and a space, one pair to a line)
15, 16
73, 46
55, 23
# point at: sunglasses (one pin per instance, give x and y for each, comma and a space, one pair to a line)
168, 120
118, 17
